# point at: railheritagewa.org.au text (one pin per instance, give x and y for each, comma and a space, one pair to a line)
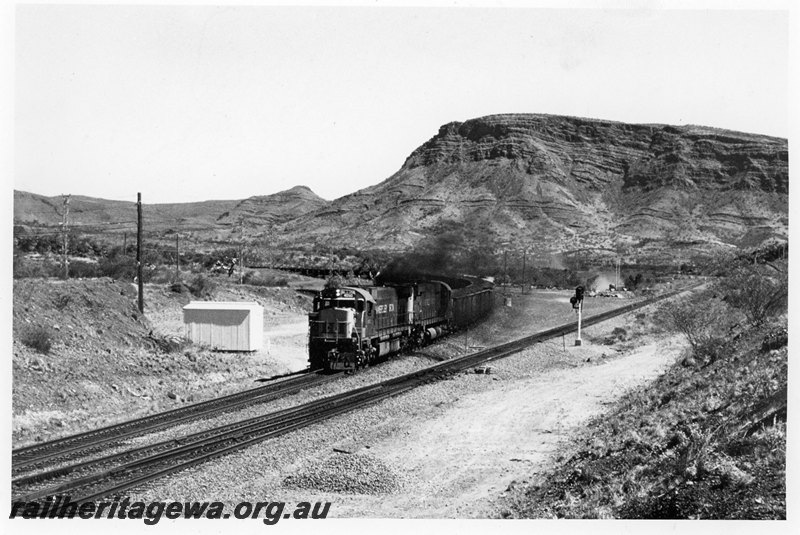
151, 513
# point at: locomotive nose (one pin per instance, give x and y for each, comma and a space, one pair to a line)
338, 322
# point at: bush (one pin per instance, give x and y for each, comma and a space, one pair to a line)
118, 267
160, 275
775, 339
26, 269
699, 318
84, 270
38, 338
755, 293
171, 344
710, 349
619, 334
202, 286
62, 300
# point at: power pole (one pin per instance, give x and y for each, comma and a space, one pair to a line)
177, 258
505, 273
139, 251
65, 237
124, 243
523, 271
241, 252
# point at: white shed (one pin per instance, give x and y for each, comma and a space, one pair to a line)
225, 325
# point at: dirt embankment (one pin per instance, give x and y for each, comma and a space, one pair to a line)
84, 356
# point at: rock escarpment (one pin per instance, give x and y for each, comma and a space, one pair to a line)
563, 183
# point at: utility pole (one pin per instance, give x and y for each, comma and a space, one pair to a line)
505, 266
523, 271
177, 258
65, 237
124, 243
139, 251
241, 252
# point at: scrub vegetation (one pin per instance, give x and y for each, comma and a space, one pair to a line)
708, 438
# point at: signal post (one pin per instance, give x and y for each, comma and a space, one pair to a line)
577, 303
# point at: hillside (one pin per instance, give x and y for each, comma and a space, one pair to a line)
542, 182
562, 183
83, 355
206, 218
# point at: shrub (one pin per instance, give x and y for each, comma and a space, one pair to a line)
757, 295
202, 286
710, 349
161, 275
62, 300
775, 339
26, 269
619, 334
38, 338
698, 319
80, 269
171, 344
118, 267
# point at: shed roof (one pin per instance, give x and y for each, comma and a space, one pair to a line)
222, 305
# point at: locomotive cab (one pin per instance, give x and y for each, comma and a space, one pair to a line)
339, 329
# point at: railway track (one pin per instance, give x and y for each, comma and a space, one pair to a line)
114, 474
28, 458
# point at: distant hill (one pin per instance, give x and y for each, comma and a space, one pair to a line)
522, 181
203, 220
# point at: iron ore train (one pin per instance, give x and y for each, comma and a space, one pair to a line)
354, 327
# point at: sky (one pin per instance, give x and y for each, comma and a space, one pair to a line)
187, 103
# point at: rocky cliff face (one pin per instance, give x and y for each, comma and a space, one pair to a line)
562, 183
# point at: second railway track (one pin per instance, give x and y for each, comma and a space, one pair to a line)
34, 456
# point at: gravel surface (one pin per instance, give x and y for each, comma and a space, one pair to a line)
346, 473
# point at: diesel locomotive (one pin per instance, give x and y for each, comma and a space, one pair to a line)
354, 327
